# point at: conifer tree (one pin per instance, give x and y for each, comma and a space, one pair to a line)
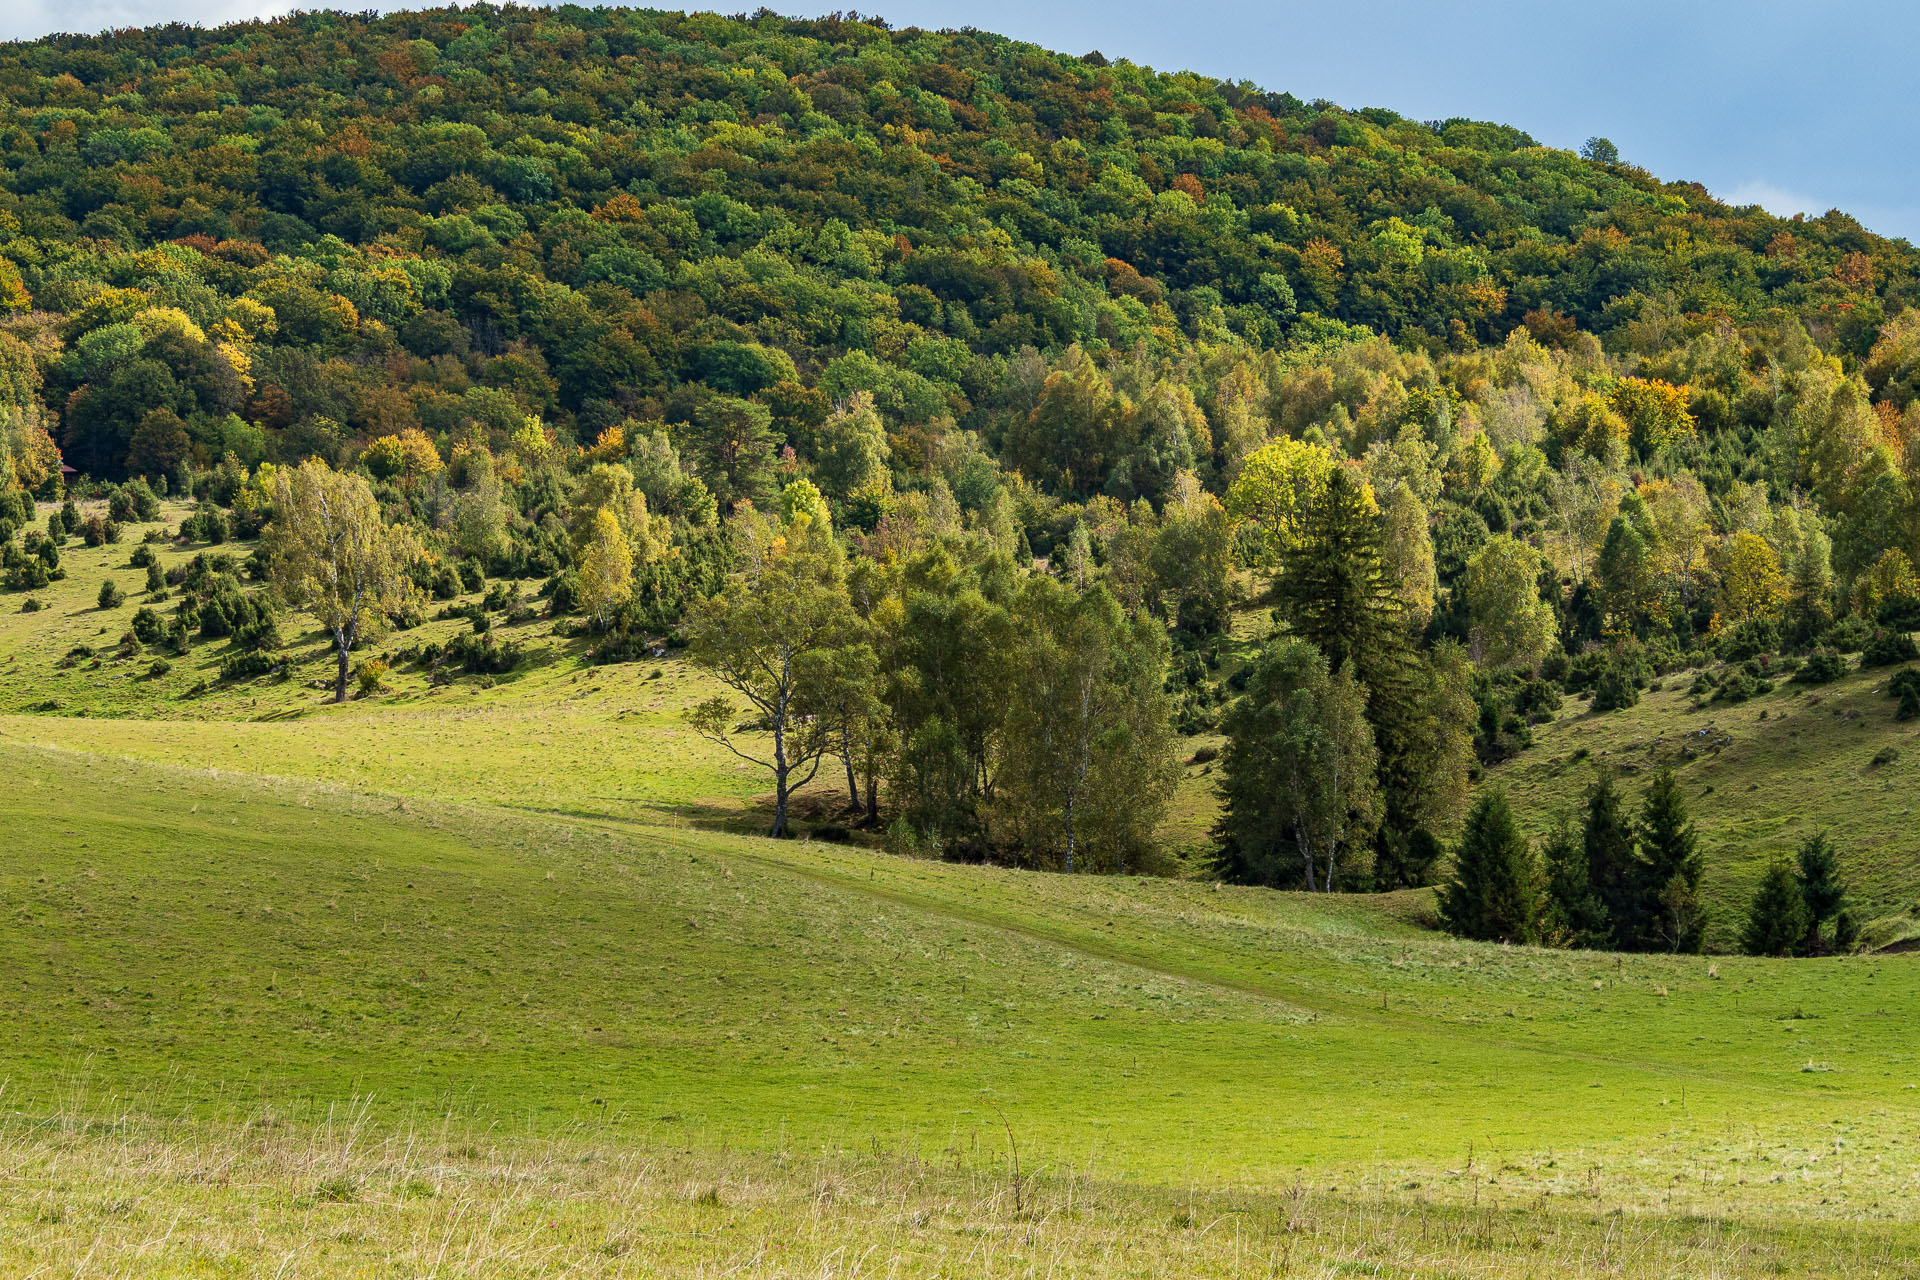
1777, 918
1494, 892
1334, 590
1608, 838
1670, 914
1575, 916
1820, 888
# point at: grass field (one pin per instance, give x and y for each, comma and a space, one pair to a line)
493, 978
224, 952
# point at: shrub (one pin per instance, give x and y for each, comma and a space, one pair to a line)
261, 632
142, 557
159, 667
111, 596
207, 524
1899, 613
1749, 639
225, 610
370, 673
133, 502
246, 666
622, 646
30, 605
1614, 690
156, 581
1536, 700
30, 574
1823, 667
1741, 684
96, 531
1887, 648
1904, 688
482, 655
1584, 671
472, 578
147, 627
563, 595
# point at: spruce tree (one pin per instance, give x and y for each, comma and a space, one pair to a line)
1670, 914
1493, 894
1334, 590
1575, 916
1820, 888
1777, 918
1608, 838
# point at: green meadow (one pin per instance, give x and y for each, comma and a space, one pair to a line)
496, 976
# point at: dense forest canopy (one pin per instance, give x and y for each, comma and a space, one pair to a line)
591, 215
987, 360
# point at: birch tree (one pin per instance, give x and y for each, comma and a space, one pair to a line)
772, 636
331, 553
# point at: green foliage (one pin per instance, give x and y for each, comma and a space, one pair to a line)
1670, 913
1817, 868
1777, 917
1493, 894
1298, 778
1887, 648
1608, 841
1615, 689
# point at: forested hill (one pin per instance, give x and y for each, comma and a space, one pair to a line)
618, 210
990, 362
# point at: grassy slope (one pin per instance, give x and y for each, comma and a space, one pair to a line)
281, 941
1760, 777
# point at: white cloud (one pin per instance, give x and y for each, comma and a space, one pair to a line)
28, 19
1774, 199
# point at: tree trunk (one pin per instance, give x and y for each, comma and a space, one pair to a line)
343, 644
846, 756
779, 780
1069, 835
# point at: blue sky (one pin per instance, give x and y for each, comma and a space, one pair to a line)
1795, 106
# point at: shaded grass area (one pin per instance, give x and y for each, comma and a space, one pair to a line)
1759, 777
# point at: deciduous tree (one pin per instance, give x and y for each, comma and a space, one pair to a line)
330, 552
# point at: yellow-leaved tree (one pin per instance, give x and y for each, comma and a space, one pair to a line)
606, 568
1276, 486
1752, 584
331, 553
